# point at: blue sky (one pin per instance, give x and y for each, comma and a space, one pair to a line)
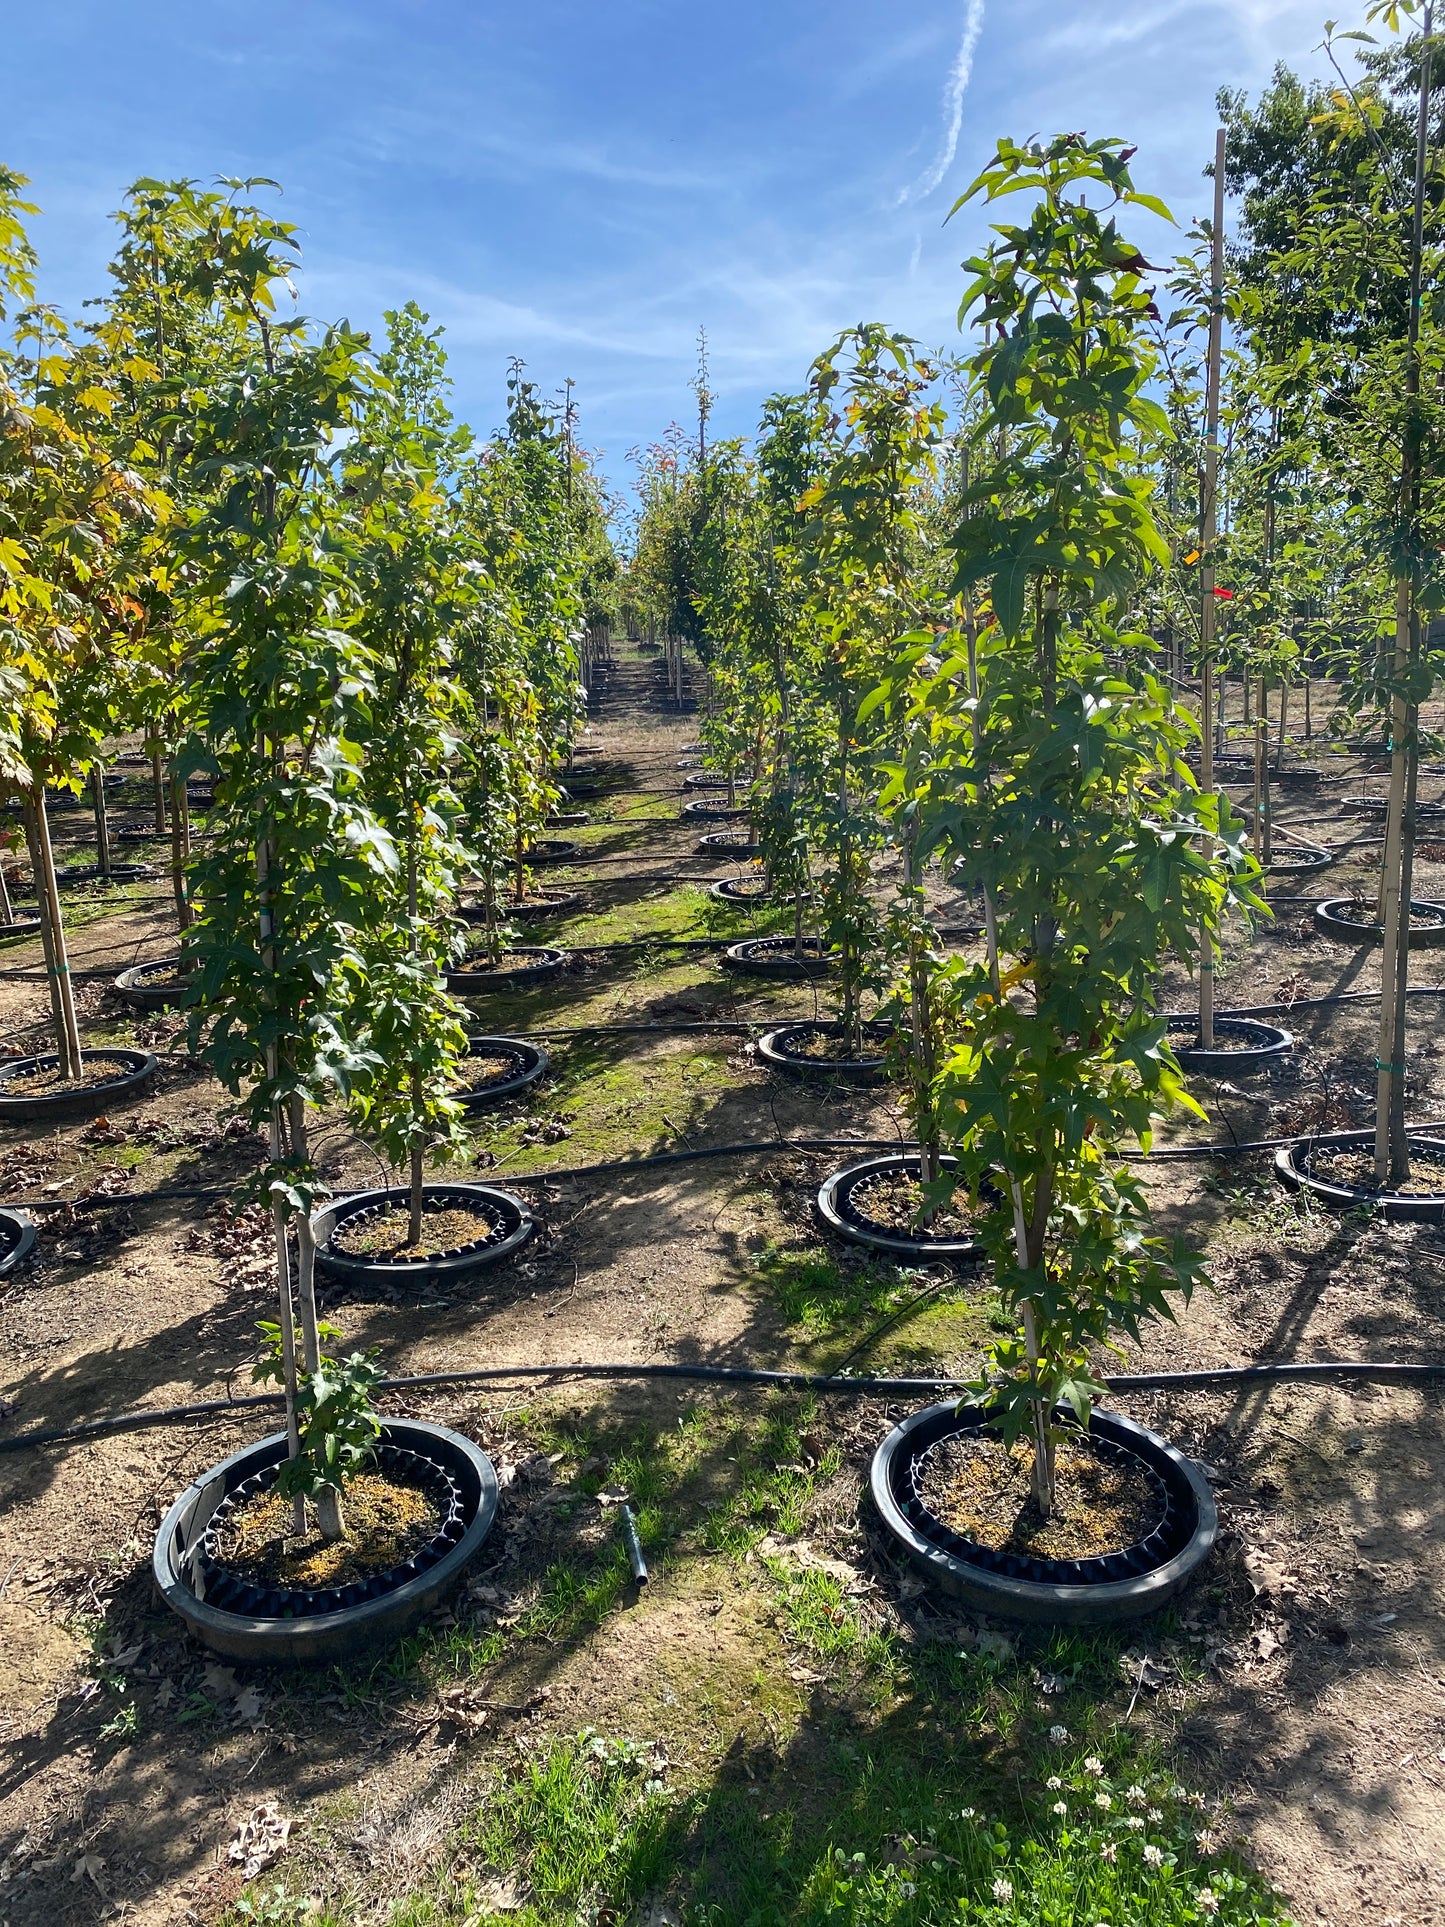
584, 185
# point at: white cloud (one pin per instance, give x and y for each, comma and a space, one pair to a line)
953, 93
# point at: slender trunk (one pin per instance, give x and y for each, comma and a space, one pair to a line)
328, 1499
1392, 1160
7, 908
180, 853
921, 1016
851, 1034
102, 819
418, 1159
279, 1206
1208, 511
1043, 1474
798, 923
1256, 836
1283, 714
52, 933
158, 784
1393, 910
1309, 733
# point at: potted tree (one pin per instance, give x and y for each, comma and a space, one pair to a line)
1058, 775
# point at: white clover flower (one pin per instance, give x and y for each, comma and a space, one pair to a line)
1053, 1783
1136, 1796
1196, 1800
1059, 1735
1103, 1802
1206, 1902
968, 1813
1175, 1792
1136, 1825
907, 1889
1153, 1856
1003, 1889
1154, 1815
1061, 1806
1109, 1852
1094, 1768
1204, 1841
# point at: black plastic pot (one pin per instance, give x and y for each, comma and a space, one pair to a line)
1298, 776
565, 817
553, 849
543, 909
21, 927
17, 1239
533, 964
530, 1062
728, 843
704, 780
1083, 1592
90, 873
137, 833
1379, 805
841, 1215
782, 1050
133, 1069
1258, 1044
513, 1224
735, 892
777, 957
324, 1628
1297, 859
144, 986
1332, 920
699, 810
1292, 1166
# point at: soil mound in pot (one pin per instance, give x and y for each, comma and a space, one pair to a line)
389, 1518
386, 1234
983, 1491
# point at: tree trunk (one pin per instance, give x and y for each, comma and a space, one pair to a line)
7, 908
921, 1015
1208, 519
158, 782
52, 933
102, 819
418, 1159
328, 1500
1391, 1148
1283, 715
180, 853
279, 1208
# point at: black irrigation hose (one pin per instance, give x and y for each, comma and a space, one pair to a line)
523, 1177
1355, 1370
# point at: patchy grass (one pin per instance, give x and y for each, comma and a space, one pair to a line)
873, 1306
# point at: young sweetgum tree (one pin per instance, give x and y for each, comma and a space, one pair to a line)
1055, 771
296, 889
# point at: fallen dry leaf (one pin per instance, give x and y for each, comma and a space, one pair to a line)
260, 1838
89, 1866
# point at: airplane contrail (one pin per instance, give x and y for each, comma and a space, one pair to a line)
953, 92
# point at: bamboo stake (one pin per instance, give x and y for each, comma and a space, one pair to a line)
1207, 519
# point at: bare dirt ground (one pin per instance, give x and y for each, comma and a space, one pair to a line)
1303, 1682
